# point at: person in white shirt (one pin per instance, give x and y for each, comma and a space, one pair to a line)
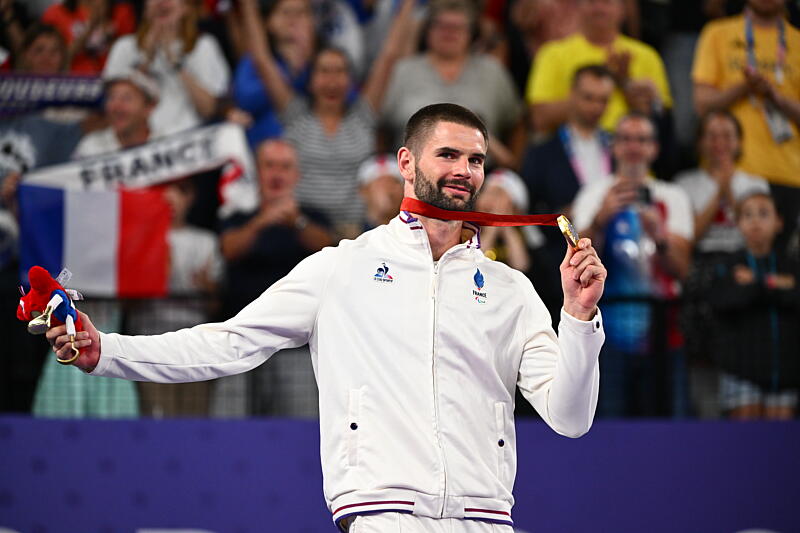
189, 66
418, 342
130, 100
718, 184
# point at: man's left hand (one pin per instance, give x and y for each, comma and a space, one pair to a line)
582, 279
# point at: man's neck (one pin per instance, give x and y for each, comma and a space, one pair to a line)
442, 234
764, 20
134, 137
599, 36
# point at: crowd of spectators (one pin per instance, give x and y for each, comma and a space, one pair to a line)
668, 131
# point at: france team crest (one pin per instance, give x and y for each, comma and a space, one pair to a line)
478, 293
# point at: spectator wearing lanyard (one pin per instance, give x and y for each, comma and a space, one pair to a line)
749, 64
577, 154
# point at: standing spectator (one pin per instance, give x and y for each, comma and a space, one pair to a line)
644, 228
748, 64
130, 100
289, 26
381, 187
449, 72
89, 27
578, 153
757, 298
189, 66
717, 186
332, 131
713, 189
195, 272
12, 32
261, 248
638, 71
531, 24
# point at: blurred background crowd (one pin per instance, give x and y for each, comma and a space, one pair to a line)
669, 132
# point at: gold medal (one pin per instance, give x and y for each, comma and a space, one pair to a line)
568, 230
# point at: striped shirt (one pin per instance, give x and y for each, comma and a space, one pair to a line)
329, 163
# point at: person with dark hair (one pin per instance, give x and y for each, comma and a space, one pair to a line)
416, 407
89, 28
756, 298
333, 130
448, 70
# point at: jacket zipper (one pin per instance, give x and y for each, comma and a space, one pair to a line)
435, 387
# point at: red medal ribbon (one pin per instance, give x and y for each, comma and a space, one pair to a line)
483, 219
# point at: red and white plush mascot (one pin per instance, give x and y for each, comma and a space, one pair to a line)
48, 304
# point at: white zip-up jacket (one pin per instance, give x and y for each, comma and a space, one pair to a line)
416, 362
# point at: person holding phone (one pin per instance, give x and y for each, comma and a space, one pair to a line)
643, 228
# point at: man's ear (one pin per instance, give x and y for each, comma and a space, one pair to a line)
407, 164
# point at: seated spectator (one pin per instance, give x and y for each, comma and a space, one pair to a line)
757, 299
189, 66
89, 27
747, 64
577, 154
332, 132
130, 100
638, 70
447, 71
290, 30
644, 229
261, 248
381, 187
195, 272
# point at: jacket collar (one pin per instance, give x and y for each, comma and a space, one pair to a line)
408, 229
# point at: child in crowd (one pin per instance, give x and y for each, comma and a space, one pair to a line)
757, 302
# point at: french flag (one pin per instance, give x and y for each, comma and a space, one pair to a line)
113, 242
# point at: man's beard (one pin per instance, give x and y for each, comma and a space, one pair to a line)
434, 194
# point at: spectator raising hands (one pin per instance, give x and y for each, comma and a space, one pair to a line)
189, 66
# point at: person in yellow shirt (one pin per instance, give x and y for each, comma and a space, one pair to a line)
750, 64
638, 70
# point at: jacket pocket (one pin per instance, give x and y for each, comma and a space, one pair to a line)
501, 444
353, 421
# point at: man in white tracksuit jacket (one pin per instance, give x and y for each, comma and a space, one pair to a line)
418, 342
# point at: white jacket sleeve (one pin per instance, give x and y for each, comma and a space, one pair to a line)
282, 317
560, 376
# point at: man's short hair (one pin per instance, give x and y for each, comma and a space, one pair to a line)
421, 123
597, 71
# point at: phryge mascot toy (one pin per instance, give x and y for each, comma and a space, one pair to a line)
48, 303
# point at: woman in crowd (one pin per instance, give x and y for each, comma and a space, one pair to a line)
90, 27
291, 33
448, 71
333, 130
190, 67
714, 189
718, 184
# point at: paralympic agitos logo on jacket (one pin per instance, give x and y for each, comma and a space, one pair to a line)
479, 294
